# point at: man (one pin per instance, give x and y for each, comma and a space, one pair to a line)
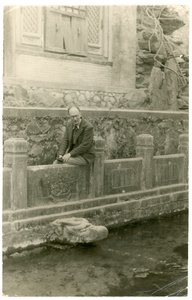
77, 146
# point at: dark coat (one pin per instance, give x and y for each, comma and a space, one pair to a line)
84, 142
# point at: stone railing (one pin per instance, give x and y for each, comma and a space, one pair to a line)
146, 171
29, 186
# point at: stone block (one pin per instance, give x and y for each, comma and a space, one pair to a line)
36, 151
172, 188
33, 128
172, 83
6, 228
42, 98
21, 93
147, 202
146, 57
88, 95
173, 207
165, 199
167, 208
75, 230
180, 205
122, 175
157, 90
135, 99
57, 183
168, 169
145, 213
183, 102
70, 98
137, 195
180, 196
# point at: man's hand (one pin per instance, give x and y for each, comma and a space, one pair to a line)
60, 158
66, 157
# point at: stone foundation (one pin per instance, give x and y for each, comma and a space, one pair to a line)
34, 96
27, 228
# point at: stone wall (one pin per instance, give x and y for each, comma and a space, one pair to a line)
44, 129
23, 95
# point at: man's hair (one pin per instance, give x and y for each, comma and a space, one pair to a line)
74, 106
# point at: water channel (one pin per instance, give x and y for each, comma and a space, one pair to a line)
148, 258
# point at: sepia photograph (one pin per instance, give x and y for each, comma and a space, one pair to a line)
95, 149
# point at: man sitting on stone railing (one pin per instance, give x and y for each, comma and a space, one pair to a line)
77, 146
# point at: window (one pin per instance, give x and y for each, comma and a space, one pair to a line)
65, 31
95, 29
31, 25
72, 30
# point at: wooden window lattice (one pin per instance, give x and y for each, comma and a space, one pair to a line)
95, 22
93, 13
73, 10
31, 25
30, 19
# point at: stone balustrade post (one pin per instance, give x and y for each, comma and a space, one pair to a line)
97, 173
15, 150
144, 149
184, 148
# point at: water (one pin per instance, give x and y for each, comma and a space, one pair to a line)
142, 259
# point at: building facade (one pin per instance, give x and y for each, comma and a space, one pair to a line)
73, 47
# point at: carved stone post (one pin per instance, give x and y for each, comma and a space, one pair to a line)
15, 150
97, 173
184, 148
144, 149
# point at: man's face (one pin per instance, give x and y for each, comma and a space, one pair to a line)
75, 115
